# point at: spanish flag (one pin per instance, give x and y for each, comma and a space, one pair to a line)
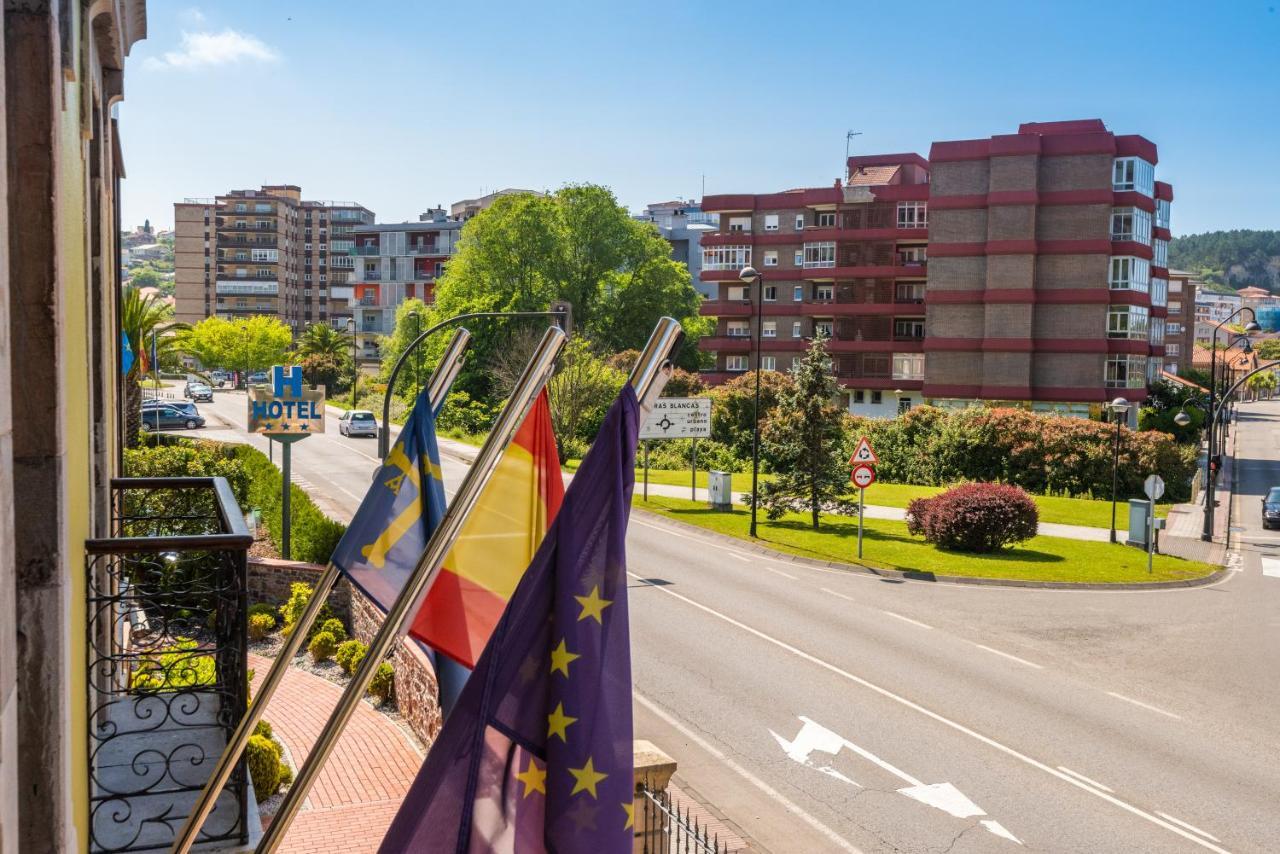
497, 542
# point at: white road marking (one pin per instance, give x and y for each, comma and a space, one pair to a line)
1009, 656
776, 571
1271, 566
764, 787
1190, 827
996, 828
1093, 783
906, 619
1146, 706
740, 557
932, 715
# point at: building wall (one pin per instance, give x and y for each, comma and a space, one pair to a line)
8, 588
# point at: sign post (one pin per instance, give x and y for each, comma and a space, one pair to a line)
677, 418
1153, 486
863, 475
286, 411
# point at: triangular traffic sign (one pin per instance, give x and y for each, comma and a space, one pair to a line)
863, 453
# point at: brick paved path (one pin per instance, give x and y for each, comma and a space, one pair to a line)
358, 792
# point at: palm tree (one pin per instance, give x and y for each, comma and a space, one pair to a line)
140, 318
323, 352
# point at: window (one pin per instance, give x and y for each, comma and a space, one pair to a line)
908, 329
824, 293
241, 207
1131, 224
1129, 273
306, 277
1162, 213
768, 363
859, 396
797, 328
241, 224
820, 254
797, 293
1175, 307
823, 327
908, 366
799, 222
738, 293
877, 397
771, 258
770, 222
242, 256
904, 405
1172, 348
726, 257
769, 329
1157, 331
770, 293
1173, 328
913, 215
264, 272
910, 292
827, 219
1133, 173
799, 259
735, 363
306, 247
1128, 321
241, 272
795, 362
264, 223
913, 256
738, 329
1126, 372
1160, 254
740, 224
1159, 292
262, 207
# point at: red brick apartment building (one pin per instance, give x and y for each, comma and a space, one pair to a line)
1027, 268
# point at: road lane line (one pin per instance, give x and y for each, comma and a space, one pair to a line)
1271, 567
932, 715
764, 787
1190, 827
776, 571
1010, 657
1093, 783
1146, 706
906, 619
740, 557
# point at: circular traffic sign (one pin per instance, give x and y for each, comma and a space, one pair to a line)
863, 476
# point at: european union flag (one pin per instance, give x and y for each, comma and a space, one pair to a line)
403, 506
537, 755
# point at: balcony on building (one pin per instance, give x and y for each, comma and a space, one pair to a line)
247, 287
167, 603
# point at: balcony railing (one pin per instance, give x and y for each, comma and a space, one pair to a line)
246, 241
874, 366
435, 249
167, 609
363, 250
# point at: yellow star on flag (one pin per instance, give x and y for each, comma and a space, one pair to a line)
558, 723
561, 658
534, 778
587, 777
593, 605
630, 809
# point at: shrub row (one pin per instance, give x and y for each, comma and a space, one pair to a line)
314, 535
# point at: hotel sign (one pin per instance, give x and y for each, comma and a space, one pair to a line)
285, 406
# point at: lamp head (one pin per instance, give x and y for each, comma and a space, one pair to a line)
1119, 405
1252, 326
1182, 419
749, 274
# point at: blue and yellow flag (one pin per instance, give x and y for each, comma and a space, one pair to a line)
402, 508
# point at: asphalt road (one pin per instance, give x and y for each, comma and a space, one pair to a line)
825, 711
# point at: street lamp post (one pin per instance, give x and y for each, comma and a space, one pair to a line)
1118, 408
355, 367
245, 329
1211, 474
417, 357
751, 275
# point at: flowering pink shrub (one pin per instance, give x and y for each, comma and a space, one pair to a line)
974, 517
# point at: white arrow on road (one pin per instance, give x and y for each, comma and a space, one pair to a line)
815, 738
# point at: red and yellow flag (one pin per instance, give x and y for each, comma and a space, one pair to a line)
497, 543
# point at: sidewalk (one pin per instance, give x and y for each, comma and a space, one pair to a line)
1185, 526
367, 775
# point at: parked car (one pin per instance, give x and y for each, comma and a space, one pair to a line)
1271, 507
358, 422
184, 406
166, 417
219, 376
259, 378
199, 391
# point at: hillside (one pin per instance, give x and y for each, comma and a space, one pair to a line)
1235, 258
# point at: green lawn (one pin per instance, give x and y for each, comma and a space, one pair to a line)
886, 544
1094, 513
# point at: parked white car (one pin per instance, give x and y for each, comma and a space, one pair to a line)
358, 422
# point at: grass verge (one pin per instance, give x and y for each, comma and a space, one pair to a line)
887, 545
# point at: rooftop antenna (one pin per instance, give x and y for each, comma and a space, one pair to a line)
704, 188
848, 140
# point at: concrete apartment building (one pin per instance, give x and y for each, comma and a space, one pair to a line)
1213, 308
1027, 268
682, 224
265, 251
1180, 325
467, 208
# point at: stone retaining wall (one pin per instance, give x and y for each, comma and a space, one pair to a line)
417, 694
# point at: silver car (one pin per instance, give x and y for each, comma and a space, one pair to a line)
358, 422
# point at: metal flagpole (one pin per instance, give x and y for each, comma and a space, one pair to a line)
409, 602
441, 380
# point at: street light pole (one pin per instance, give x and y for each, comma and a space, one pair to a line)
1211, 474
1118, 407
245, 329
355, 367
751, 275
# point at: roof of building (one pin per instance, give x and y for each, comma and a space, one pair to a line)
1233, 357
1071, 126
1253, 291
1174, 378
427, 225
871, 176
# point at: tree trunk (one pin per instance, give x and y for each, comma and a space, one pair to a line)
815, 465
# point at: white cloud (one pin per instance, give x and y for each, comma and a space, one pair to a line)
206, 49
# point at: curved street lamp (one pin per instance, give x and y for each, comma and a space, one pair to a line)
751, 276
1211, 471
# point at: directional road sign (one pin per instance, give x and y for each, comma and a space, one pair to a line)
863, 476
863, 453
678, 418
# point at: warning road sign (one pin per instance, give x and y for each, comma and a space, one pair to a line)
863, 476
863, 453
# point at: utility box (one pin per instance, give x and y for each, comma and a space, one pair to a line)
720, 487
1139, 510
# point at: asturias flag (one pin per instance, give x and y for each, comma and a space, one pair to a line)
537, 755
497, 542
402, 507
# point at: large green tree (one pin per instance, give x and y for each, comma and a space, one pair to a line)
324, 354
803, 436
141, 318
245, 344
578, 244
412, 317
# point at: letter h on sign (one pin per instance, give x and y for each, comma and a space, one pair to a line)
293, 378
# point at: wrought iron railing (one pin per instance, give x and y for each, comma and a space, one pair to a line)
168, 678
665, 826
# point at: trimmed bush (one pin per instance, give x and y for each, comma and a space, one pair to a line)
260, 625
974, 517
264, 608
263, 757
322, 647
314, 534
334, 627
263, 728
383, 684
349, 656
173, 668
291, 611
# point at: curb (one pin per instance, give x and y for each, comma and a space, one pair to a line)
899, 575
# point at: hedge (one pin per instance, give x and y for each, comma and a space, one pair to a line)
315, 535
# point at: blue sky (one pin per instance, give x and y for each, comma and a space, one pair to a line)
402, 106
